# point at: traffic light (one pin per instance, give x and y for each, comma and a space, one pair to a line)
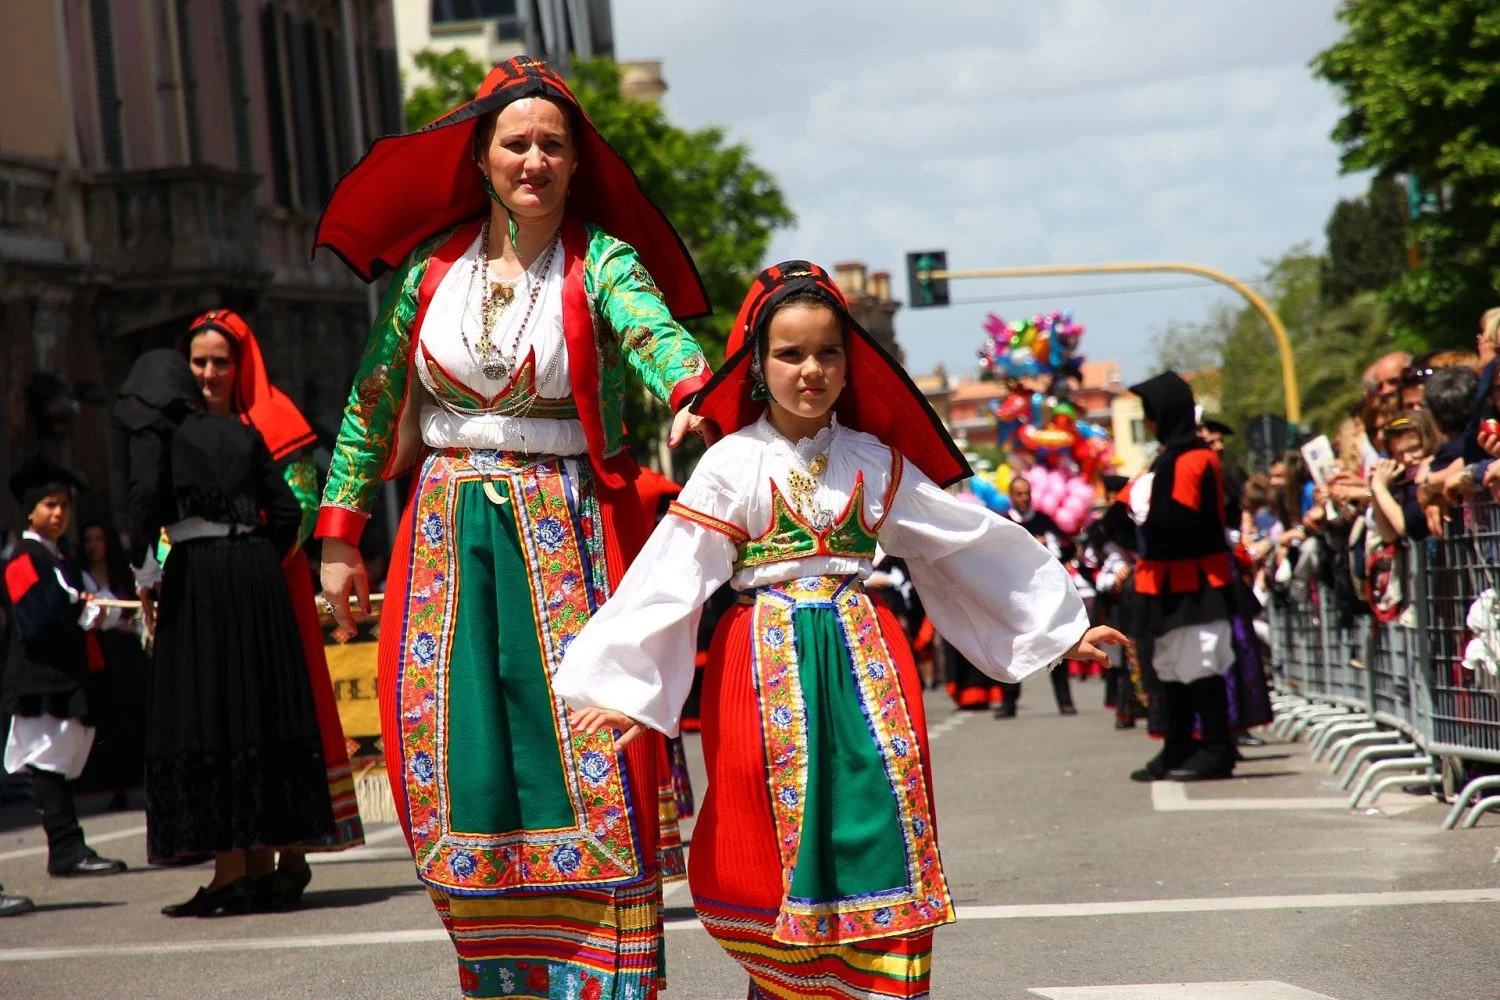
926, 291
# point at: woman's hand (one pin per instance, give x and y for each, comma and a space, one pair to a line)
1087, 648
343, 573
687, 422
1489, 442
594, 719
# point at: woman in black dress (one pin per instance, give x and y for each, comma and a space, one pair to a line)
234, 762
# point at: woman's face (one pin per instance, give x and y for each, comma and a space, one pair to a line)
805, 361
531, 157
95, 545
1405, 448
211, 356
1277, 475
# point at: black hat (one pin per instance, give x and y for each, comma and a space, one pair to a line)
40, 477
1114, 484
1216, 427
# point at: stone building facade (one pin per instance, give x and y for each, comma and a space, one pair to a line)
172, 156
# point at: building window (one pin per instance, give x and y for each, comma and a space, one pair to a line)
239, 90
444, 11
281, 167
1138, 432
189, 80
104, 79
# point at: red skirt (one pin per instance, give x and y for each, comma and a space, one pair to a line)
736, 870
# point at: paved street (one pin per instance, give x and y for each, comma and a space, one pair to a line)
1072, 883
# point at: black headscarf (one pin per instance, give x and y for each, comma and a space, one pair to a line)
159, 389
1168, 402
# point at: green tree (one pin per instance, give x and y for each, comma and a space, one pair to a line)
1329, 347
452, 78
1366, 243
1420, 80
724, 206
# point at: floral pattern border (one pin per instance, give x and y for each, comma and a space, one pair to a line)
924, 901
563, 548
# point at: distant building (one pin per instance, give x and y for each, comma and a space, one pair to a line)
493, 31
938, 390
869, 295
160, 159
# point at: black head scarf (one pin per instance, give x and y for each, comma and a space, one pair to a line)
1168, 402
159, 390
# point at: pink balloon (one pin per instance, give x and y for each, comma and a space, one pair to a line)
1067, 520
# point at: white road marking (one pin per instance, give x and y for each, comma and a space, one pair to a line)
92, 838
1019, 912
1172, 796
1260, 990
359, 854
948, 725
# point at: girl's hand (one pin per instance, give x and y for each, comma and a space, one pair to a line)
1087, 648
1489, 442
148, 609
594, 719
686, 422
1384, 472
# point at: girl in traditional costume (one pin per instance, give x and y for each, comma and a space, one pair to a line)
234, 759
532, 276
226, 360
815, 861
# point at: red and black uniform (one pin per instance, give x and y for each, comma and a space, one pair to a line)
1182, 579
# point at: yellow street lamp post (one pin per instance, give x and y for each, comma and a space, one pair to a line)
1283, 345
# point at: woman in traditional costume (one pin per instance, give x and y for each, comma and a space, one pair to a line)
226, 360
234, 760
815, 861
524, 255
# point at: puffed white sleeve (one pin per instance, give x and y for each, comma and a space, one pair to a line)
637, 654
990, 588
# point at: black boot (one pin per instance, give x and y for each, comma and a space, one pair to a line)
1179, 745
14, 906
1216, 753
67, 852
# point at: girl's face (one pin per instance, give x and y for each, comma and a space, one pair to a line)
531, 157
211, 356
1405, 447
805, 362
49, 518
1278, 475
95, 545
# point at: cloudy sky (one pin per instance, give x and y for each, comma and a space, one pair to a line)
1013, 133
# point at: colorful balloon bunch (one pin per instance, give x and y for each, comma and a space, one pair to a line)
1061, 455
1042, 345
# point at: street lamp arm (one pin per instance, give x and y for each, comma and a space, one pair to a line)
1250, 295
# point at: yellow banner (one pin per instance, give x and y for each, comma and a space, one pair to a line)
351, 666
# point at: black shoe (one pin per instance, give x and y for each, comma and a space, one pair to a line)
14, 906
119, 802
1124, 723
232, 897
1247, 740
1210, 763
287, 888
1067, 710
1005, 710
91, 865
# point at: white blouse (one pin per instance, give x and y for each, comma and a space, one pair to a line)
454, 311
990, 588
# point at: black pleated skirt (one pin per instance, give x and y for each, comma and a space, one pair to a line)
233, 755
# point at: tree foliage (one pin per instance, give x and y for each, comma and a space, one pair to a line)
1420, 80
451, 79
724, 206
1330, 348
1366, 243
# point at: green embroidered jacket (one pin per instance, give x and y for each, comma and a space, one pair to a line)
617, 319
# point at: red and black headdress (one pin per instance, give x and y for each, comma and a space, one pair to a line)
259, 403
878, 398
408, 188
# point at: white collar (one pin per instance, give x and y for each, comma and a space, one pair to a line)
50, 546
805, 449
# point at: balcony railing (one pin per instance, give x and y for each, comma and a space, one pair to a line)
174, 223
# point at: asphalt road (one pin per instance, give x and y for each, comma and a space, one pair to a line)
1072, 883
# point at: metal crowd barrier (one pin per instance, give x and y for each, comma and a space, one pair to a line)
1393, 703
